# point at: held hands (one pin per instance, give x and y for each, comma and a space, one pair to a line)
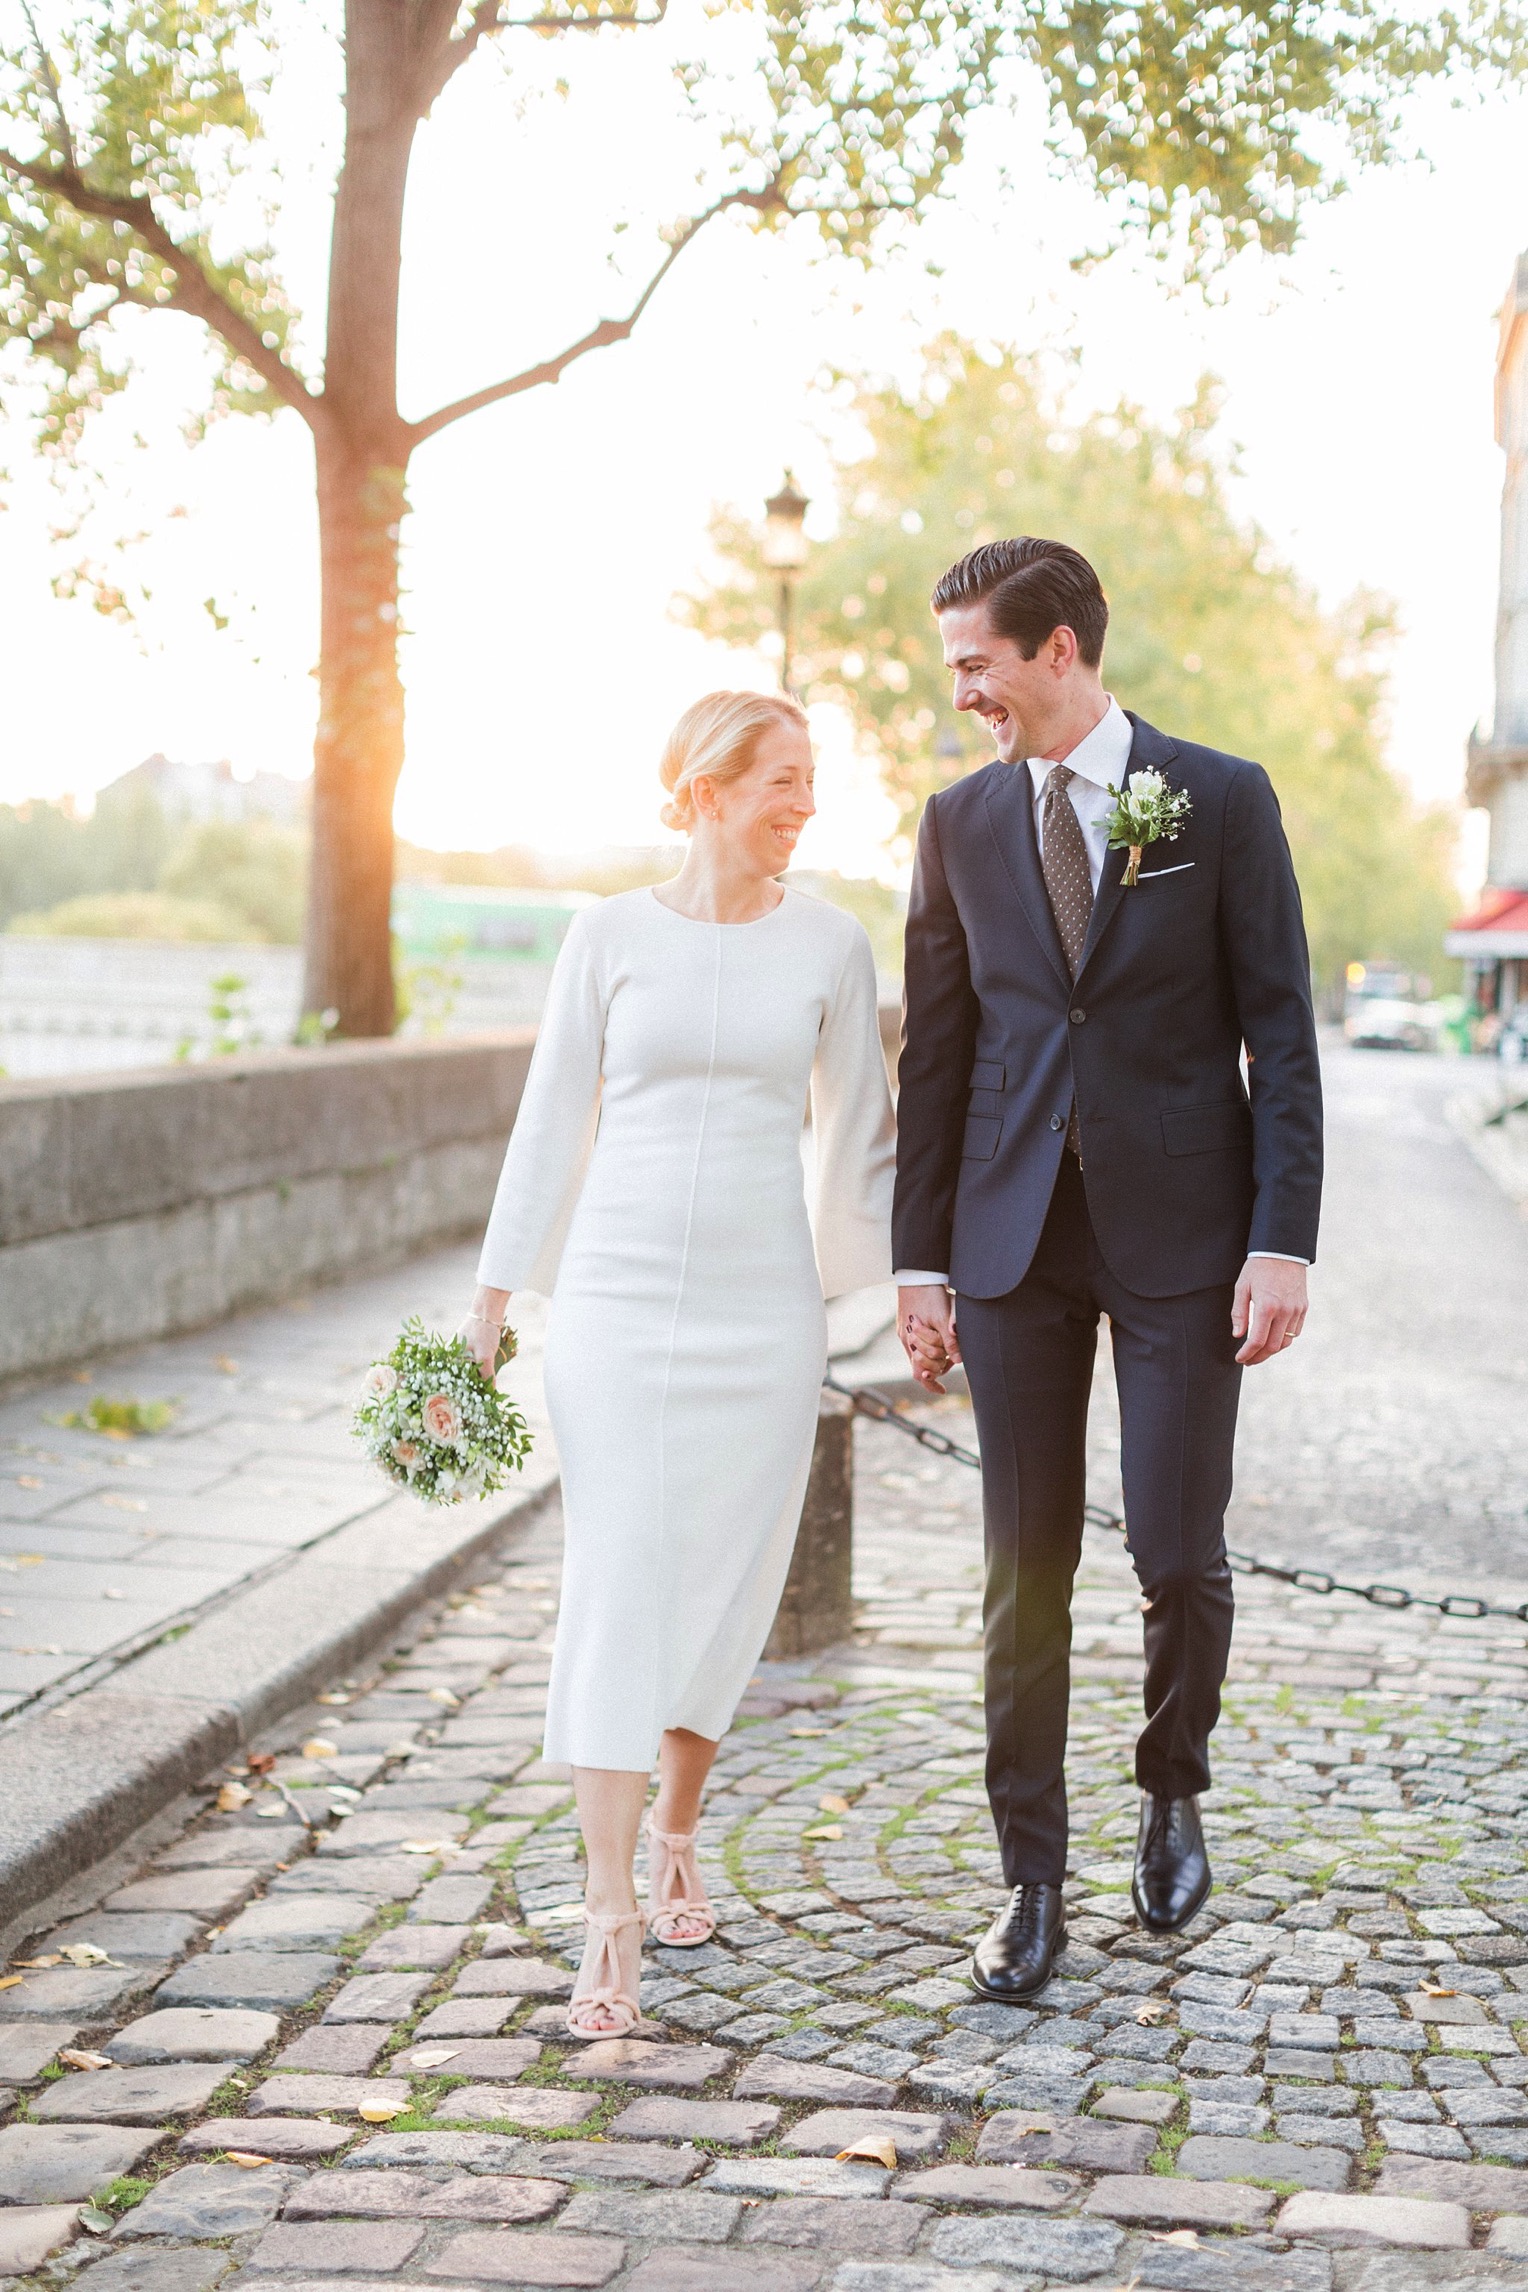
1268, 1309
483, 1326
926, 1326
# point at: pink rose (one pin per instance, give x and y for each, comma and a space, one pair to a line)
380, 1379
406, 1454
441, 1419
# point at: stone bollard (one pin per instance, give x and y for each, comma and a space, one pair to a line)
816, 1607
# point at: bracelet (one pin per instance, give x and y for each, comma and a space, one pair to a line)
483, 1322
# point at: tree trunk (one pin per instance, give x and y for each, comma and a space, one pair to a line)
358, 752
362, 454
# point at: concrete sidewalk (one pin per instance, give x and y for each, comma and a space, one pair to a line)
162, 1597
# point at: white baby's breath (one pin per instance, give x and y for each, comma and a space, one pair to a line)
433, 1422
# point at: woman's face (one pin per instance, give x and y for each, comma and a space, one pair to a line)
761, 814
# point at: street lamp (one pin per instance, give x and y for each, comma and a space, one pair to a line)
785, 553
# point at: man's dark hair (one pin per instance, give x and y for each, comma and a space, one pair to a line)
1030, 587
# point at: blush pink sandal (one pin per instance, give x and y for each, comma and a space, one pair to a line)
674, 1890
603, 1966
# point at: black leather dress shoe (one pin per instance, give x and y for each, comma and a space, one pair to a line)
1172, 1870
1014, 1959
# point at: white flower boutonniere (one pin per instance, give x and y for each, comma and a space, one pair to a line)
1146, 811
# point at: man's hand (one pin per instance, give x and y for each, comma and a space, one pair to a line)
1269, 1308
926, 1326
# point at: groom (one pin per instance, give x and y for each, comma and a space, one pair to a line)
1077, 1138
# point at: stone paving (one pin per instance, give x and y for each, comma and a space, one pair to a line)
326, 2055
104, 1542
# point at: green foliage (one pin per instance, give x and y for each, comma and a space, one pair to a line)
128, 131
1210, 638
128, 873
250, 866
119, 1420
47, 855
122, 2194
133, 915
880, 909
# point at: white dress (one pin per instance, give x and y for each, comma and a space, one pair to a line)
654, 1189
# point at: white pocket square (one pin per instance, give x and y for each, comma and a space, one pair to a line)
1149, 875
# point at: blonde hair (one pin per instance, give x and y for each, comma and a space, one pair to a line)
718, 737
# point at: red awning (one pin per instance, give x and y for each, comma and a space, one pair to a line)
1498, 928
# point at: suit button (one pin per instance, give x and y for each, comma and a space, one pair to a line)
1077, 1017
1058, 1122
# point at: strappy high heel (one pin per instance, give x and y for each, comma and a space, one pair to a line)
605, 1991
674, 1890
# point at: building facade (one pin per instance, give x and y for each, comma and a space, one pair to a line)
1493, 942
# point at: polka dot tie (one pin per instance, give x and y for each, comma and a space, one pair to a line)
1068, 884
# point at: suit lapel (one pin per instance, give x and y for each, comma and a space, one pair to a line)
1011, 817
1148, 748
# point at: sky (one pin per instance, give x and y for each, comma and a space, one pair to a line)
549, 535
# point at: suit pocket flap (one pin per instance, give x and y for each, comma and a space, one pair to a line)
1205, 1129
982, 1135
986, 1102
986, 1074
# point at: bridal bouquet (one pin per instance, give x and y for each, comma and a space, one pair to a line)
1146, 811
435, 1423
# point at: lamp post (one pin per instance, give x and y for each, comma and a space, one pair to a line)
785, 548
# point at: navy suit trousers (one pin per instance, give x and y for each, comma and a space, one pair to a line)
1029, 1361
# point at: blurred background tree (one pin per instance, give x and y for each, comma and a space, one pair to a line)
1210, 636
128, 872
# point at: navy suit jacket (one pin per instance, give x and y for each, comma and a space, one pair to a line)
1185, 1170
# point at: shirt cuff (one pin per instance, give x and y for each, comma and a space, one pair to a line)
913, 1279
1282, 1255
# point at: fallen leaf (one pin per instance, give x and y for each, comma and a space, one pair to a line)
10, 1981
1435, 1990
27, 1480
26, 1559
319, 1747
232, 1796
427, 1846
1149, 2010
78, 2060
261, 1762
381, 2112
333, 1696
87, 1954
273, 1813
832, 1804
245, 2157
113, 1595
94, 2221
444, 1695
1187, 2237
125, 1503
227, 1364
34, 1965
432, 2056
812, 1731
50, 1647
825, 1830
872, 2149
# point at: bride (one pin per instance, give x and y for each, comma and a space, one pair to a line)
654, 1189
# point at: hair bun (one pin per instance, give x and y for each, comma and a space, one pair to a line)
716, 737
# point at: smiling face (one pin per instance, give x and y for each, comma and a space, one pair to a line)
759, 816
1022, 703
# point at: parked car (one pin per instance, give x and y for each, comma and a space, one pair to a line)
1386, 1008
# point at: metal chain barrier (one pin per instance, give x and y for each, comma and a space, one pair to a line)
882, 1409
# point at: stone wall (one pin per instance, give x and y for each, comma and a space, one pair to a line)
133, 1205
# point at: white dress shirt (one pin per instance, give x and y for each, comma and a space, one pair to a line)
1100, 758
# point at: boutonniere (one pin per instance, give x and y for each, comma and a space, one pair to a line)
1146, 811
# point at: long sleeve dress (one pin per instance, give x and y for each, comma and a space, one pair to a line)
654, 1189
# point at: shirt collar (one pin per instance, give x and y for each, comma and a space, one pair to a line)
1102, 757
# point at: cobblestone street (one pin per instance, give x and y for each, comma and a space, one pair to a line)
1320, 2085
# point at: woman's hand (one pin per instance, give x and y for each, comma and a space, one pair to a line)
483, 1326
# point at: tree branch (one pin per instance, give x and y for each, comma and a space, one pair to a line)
608, 331
193, 292
441, 59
